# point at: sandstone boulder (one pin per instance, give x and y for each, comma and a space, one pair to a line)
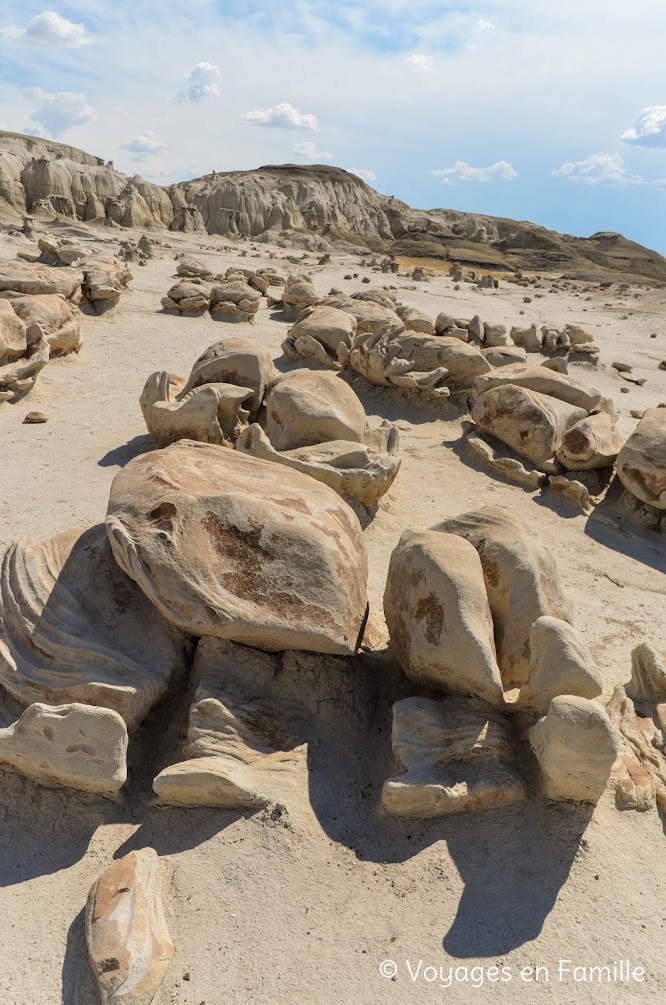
234, 301
13, 342
593, 442
438, 616
641, 463
239, 548
187, 298
416, 320
129, 945
54, 317
560, 663
19, 377
368, 314
33, 278
328, 327
234, 361
453, 754
543, 380
76, 629
362, 472
298, 294
521, 578
73, 745
576, 745
308, 407
530, 423
211, 413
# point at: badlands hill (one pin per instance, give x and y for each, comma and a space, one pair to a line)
315, 207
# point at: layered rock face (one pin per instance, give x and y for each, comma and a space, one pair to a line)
313, 206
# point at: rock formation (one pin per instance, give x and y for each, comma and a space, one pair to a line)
129, 945
75, 628
234, 547
452, 754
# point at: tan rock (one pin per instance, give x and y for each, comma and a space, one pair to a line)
438, 616
298, 294
416, 320
530, 423
234, 361
76, 629
504, 463
593, 442
573, 490
505, 355
13, 342
328, 327
308, 407
54, 317
35, 418
72, 745
453, 754
576, 745
211, 413
238, 548
521, 578
560, 663
234, 301
362, 472
543, 380
529, 338
17, 378
34, 278
369, 315
129, 945
240, 750
495, 335
641, 463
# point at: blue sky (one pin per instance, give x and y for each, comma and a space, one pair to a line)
549, 112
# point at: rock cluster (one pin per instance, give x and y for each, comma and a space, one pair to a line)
475, 609
309, 421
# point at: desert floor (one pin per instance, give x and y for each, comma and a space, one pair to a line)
305, 908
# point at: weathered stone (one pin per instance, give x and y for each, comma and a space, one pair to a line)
54, 317
415, 320
593, 442
641, 463
298, 293
240, 749
530, 423
438, 616
308, 407
34, 278
35, 418
363, 472
495, 335
211, 413
234, 301
453, 754
76, 629
543, 380
72, 745
328, 327
573, 490
13, 342
530, 338
560, 663
505, 355
238, 548
129, 945
502, 461
234, 361
576, 745
369, 315
521, 578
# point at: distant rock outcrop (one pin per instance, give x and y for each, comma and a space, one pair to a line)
315, 207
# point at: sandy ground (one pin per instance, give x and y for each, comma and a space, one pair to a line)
305, 908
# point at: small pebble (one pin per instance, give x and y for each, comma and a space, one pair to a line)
35, 417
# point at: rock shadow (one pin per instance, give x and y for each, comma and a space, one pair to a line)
119, 456
513, 861
79, 986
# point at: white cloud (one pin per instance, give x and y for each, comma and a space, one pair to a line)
204, 79
60, 111
144, 147
650, 128
599, 169
308, 150
283, 116
460, 171
48, 28
483, 24
367, 174
421, 62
